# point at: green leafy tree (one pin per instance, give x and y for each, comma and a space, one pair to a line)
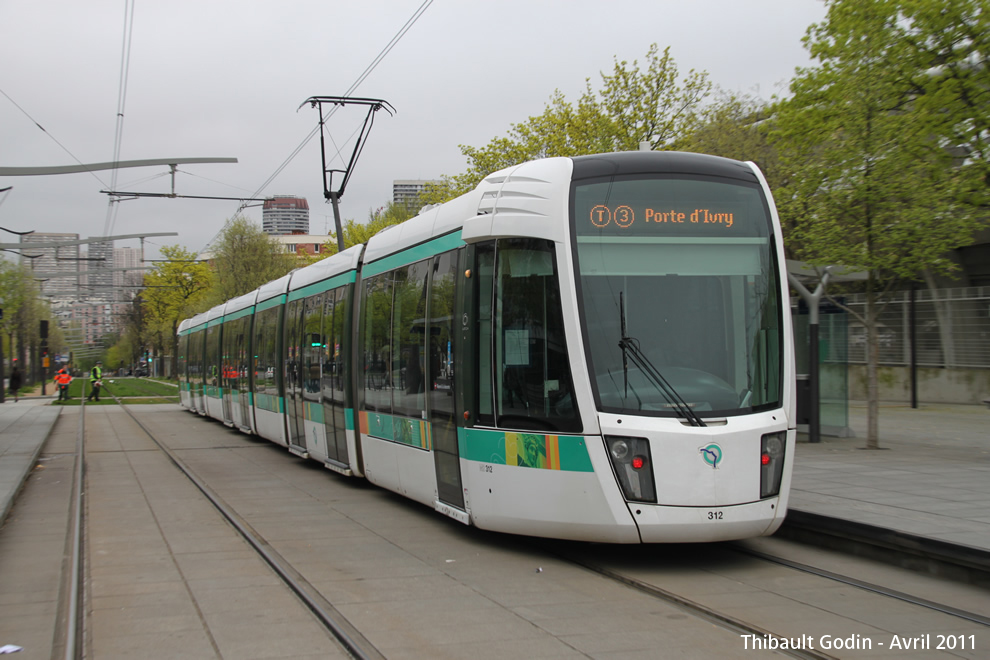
866, 189
22, 310
654, 104
734, 126
243, 258
946, 42
176, 288
126, 350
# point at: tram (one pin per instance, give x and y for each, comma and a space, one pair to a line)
593, 348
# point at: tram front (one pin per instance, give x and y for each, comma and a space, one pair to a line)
678, 262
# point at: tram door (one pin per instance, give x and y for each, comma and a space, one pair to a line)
293, 375
243, 374
443, 423
334, 368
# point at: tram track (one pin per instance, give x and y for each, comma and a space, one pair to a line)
721, 619
864, 585
72, 601
349, 638
696, 606
737, 623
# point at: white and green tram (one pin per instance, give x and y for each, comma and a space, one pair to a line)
592, 348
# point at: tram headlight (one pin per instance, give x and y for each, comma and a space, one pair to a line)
633, 467
772, 463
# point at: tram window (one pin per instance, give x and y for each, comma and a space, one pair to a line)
485, 256
696, 299
313, 340
195, 361
183, 352
266, 365
337, 347
376, 344
441, 334
227, 353
533, 388
409, 339
212, 356
292, 340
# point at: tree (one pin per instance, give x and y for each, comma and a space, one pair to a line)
175, 289
947, 42
866, 188
22, 310
735, 126
243, 258
654, 105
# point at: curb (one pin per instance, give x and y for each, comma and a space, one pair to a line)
940, 558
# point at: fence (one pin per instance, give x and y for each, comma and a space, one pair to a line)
952, 329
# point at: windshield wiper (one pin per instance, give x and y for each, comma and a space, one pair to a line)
630, 347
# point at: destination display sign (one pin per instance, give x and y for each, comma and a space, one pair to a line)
668, 208
624, 216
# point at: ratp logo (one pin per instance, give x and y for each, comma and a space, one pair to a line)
711, 454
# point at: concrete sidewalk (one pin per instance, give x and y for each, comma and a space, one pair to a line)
928, 487
24, 427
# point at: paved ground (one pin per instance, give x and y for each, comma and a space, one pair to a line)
931, 479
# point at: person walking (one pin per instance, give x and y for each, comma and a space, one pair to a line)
16, 380
62, 380
96, 382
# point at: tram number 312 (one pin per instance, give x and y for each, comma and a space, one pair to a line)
714, 515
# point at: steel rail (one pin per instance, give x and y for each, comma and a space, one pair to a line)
867, 586
720, 619
73, 621
325, 612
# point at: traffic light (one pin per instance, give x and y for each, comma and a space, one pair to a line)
44, 329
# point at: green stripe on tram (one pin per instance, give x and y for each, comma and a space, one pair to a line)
325, 285
271, 302
414, 254
239, 314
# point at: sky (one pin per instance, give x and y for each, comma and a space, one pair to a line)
226, 78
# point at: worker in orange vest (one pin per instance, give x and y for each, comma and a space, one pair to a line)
62, 380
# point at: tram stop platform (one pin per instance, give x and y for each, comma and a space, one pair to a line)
24, 427
923, 497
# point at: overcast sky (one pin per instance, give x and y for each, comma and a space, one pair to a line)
224, 78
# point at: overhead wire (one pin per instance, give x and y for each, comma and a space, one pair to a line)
118, 138
53, 138
350, 90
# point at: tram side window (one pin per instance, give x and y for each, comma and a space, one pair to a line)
292, 340
485, 257
213, 356
533, 385
183, 352
195, 360
266, 352
227, 353
376, 342
313, 341
334, 308
441, 333
234, 354
242, 359
409, 339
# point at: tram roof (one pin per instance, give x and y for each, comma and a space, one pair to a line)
662, 162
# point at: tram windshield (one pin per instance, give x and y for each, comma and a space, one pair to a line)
678, 277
